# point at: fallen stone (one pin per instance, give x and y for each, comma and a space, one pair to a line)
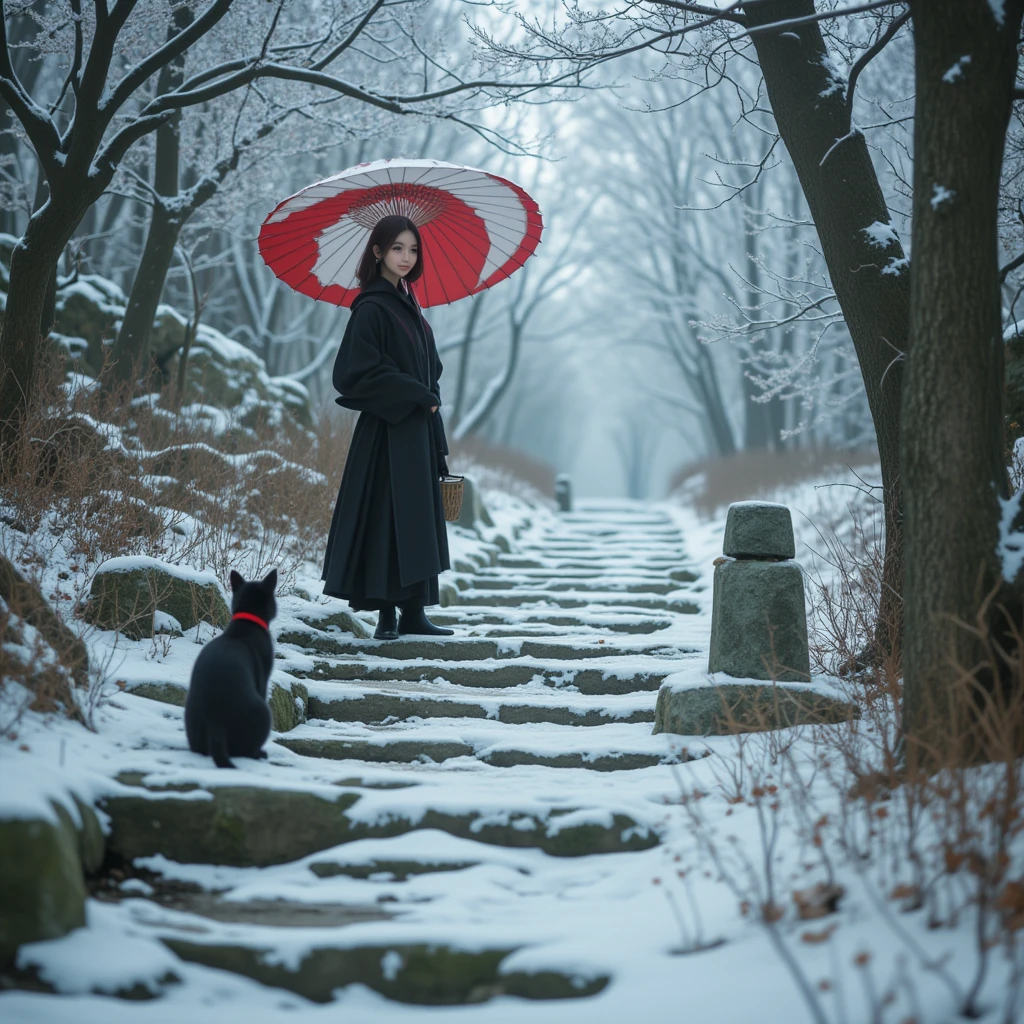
720, 710
758, 529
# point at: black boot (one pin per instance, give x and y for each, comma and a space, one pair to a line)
387, 624
414, 620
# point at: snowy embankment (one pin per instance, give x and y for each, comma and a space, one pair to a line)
563, 640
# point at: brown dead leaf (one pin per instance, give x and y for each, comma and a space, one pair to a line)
820, 900
815, 938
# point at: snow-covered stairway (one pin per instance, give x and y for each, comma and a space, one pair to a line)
448, 824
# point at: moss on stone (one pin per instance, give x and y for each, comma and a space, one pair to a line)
742, 707
247, 826
41, 881
288, 703
427, 975
125, 600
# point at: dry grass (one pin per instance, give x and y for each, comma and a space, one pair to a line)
712, 484
503, 468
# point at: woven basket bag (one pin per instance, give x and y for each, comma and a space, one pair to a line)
451, 495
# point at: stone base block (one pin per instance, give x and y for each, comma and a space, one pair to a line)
758, 622
720, 710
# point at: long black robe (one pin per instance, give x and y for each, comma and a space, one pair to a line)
388, 539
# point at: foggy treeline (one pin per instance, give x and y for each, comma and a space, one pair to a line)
679, 306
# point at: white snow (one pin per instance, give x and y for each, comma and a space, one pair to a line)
957, 70
613, 914
941, 195
880, 234
1010, 546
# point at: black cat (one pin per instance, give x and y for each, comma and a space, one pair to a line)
226, 712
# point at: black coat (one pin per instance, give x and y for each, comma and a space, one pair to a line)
387, 369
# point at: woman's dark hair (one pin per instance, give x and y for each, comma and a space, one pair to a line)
383, 236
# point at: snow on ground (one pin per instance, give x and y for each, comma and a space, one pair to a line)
661, 922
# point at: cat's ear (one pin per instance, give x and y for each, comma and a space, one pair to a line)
270, 580
236, 581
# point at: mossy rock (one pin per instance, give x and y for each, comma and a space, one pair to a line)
745, 707
90, 309
246, 826
288, 703
420, 974
41, 875
223, 373
124, 594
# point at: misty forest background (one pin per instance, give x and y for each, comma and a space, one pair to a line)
679, 307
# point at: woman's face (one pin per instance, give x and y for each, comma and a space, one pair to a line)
402, 254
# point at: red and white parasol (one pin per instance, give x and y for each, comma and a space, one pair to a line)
477, 228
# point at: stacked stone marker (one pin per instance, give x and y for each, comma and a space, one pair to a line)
563, 492
759, 598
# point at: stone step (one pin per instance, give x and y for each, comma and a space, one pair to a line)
548, 621
425, 973
454, 648
596, 562
572, 599
253, 826
611, 747
385, 703
626, 549
598, 582
628, 573
495, 674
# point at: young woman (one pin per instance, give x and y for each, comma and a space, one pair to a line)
388, 540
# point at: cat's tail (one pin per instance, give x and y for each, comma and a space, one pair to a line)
217, 744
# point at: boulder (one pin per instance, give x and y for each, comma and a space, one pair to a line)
125, 592
90, 309
758, 529
226, 374
722, 707
758, 621
41, 875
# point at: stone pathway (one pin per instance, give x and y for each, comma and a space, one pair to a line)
427, 772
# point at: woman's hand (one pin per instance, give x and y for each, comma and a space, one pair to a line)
433, 408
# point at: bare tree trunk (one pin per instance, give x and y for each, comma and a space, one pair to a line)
130, 353
842, 191
33, 264
952, 447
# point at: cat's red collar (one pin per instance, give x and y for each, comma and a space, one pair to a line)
251, 618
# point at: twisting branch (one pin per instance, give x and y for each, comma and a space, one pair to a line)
867, 57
